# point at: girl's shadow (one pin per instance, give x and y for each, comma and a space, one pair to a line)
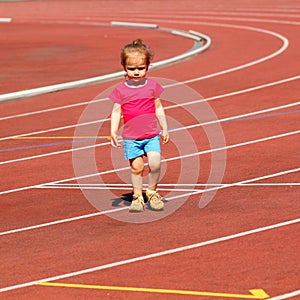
126, 199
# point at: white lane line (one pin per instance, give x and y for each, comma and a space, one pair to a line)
164, 160
239, 92
258, 61
254, 88
5, 20
112, 185
99, 79
268, 138
237, 184
36, 112
53, 129
12, 231
174, 130
286, 296
284, 40
152, 255
162, 187
282, 49
62, 221
66, 187
296, 23
197, 14
52, 153
177, 20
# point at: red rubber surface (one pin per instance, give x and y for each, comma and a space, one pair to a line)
48, 43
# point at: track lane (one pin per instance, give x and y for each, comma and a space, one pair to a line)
268, 209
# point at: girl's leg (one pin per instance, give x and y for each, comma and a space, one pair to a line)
137, 168
153, 197
154, 159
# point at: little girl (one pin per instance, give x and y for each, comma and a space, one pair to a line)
137, 99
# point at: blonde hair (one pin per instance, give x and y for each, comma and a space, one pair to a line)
136, 46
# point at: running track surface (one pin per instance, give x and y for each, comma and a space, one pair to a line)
61, 242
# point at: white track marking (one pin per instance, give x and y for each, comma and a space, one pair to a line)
190, 22
5, 20
181, 249
164, 160
230, 13
285, 44
152, 255
91, 215
235, 145
238, 117
162, 187
263, 59
112, 185
99, 79
252, 20
52, 109
237, 183
52, 153
249, 10
239, 92
281, 81
67, 187
266, 85
286, 296
53, 129
168, 199
174, 130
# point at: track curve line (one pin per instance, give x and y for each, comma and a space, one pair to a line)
196, 49
285, 44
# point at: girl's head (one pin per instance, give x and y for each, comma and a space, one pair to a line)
135, 59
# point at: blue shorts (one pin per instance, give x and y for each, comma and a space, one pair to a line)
135, 148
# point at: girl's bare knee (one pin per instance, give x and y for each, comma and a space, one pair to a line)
137, 165
154, 159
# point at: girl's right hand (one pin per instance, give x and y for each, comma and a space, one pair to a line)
114, 141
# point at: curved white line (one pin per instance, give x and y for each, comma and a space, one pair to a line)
279, 51
203, 13
286, 296
107, 77
263, 59
216, 17
284, 40
73, 84
252, 20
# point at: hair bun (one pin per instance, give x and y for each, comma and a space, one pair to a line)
137, 42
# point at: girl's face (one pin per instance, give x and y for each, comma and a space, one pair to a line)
136, 67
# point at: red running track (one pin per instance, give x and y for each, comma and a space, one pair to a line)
243, 141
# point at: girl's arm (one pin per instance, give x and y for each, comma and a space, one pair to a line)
161, 117
114, 124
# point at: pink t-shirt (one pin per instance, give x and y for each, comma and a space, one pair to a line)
138, 108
